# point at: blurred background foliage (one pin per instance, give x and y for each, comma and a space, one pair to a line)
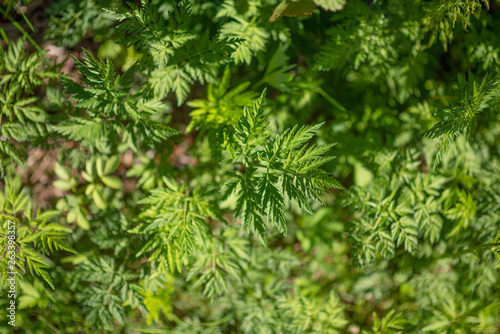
408, 90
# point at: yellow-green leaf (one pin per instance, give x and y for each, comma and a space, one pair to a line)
293, 8
112, 181
111, 165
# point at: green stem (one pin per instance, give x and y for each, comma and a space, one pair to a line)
37, 47
470, 250
77, 15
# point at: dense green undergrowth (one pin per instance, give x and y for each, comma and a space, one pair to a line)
256, 166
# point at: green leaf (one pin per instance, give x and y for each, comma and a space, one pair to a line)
62, 172
99, 166
277, 73
112, 181
111, 165
81, 218
293, 8
63, 185
171, 79
331, 5
99, 199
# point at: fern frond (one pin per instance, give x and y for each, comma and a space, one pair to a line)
115, 111
275, 169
